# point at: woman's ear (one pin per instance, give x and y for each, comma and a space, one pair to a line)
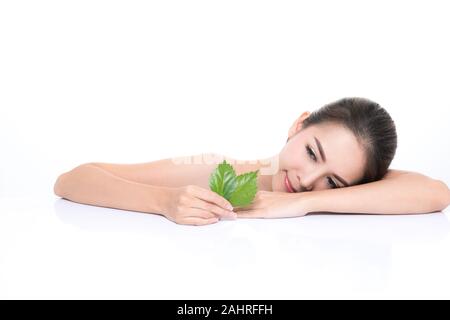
297, 125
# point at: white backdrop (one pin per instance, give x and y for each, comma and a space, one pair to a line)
135, 81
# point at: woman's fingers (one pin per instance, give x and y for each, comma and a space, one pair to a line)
195, 221
200, 213
255, 213
211, 196
245, 208
212, 208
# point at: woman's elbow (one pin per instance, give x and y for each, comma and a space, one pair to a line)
58, 186
65, 180
61, 184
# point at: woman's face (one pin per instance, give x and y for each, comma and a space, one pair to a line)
320, 157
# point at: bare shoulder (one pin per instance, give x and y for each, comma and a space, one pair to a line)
393, 173
170, 172
176, 171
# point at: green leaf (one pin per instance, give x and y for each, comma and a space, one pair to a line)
240, 190
223, 180
246, 189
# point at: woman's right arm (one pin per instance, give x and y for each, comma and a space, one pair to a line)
93, 185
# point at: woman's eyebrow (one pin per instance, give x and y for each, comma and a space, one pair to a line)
324, 159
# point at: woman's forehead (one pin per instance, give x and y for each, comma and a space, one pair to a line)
331, 132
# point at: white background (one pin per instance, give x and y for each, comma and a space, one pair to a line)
135, 81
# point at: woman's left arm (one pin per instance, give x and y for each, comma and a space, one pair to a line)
399, 192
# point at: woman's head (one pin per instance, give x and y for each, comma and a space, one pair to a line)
347, 142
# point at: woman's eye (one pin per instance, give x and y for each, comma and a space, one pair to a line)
331, 183
311, 153
313, 156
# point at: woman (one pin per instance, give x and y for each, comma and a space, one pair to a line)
335, 160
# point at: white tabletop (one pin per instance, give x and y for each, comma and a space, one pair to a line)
55, 248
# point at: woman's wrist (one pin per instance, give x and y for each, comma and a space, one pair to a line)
158, 199
306, 202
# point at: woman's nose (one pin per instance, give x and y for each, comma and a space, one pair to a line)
307, 180
303, 187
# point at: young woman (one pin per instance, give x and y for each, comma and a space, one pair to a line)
335, 160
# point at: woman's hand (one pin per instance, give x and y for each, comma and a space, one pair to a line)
269, 204
194, 205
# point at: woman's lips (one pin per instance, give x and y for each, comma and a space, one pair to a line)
288, 185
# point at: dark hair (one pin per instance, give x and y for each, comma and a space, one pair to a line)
372, 126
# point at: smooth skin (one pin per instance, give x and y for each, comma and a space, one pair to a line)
178, 188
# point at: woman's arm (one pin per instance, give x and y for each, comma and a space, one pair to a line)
189, 204
89, 184
399, 192
170, 172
